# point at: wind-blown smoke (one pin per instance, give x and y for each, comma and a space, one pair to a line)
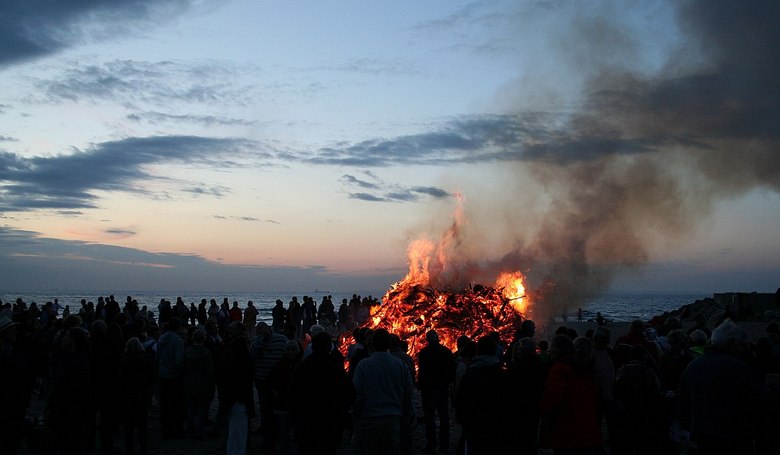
645, 156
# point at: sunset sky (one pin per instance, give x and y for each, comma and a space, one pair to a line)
254, 145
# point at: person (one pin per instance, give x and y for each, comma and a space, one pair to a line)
436, 371
579, 314
279, 379
199, 384
250, 319
239, 397
320, 379
635, 337
640, 420
481, 404
170, 365
68, 414
527, 376
719, 395
105, 351
279, 314
266, 349
15, 386
135, 376
569, 405
234, 314
309, 311
383, 400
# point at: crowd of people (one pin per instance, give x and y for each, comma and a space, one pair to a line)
656, 389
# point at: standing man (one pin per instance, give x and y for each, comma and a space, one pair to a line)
383, 402
170, 367
266, 350
437, 371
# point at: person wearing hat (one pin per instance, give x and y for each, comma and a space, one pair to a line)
15, 387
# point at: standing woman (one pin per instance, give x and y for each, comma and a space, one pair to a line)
240, 399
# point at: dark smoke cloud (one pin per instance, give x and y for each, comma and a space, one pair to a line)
694, 138
645, 157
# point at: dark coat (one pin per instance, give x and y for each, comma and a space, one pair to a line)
321, 394
199, 382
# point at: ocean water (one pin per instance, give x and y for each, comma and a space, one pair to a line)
614, 306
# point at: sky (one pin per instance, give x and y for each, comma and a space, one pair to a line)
252, 145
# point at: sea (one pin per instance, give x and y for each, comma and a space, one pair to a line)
618, 307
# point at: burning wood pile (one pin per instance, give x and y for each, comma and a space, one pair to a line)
411, 308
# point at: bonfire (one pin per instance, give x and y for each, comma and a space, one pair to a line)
413, 306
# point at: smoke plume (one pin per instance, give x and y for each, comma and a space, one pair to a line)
645, 155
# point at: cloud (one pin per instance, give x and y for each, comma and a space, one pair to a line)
208, 120
217, 191
35, 263
245, 218
379, 191
33, 29
159, 83
120, 232
68, 181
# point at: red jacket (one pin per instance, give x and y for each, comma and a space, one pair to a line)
568, 408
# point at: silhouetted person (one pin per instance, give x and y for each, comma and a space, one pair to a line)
437, 372
266, 349
383, 400
170, 367
239, 396
527, 376
71, 391
569, 406
641, 421
135, 377
199, 384
719, 395
321, 396
481, 404
279, 314
15, 386
279, 379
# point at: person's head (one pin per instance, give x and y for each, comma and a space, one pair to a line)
528, 328
461, 341
561, 346
173, 324
381, 340
7, 329
263, 330
133, 345
523, 349
292, 350
728, 335
321, 343
432, 337
601, 337
637, 327
198, 337
98, 327
486, 345
315, 329
583, 347
678, 340
698, 338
